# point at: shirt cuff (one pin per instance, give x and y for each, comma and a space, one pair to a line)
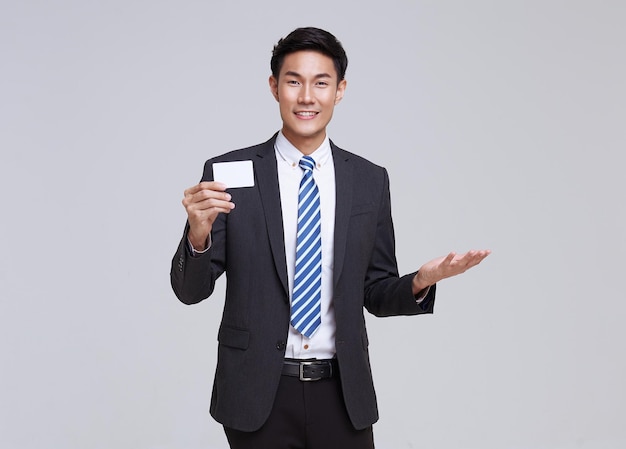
195, 252
420, 298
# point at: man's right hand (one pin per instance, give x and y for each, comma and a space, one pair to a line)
203, 202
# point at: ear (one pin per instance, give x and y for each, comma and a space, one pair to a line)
274, 86
341, 90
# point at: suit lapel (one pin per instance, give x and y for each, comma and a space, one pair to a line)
266, 175
343, 206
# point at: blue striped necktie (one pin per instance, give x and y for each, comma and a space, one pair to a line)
307, 287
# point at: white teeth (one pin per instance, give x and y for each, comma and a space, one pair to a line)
306, 114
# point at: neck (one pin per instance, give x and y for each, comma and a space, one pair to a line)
306, 145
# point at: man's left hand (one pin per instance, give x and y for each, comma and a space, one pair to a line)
444, 267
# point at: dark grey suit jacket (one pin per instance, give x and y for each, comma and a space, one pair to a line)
248, 246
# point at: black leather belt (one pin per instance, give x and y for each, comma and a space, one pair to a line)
309, 370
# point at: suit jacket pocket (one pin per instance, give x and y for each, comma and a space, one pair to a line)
234, 338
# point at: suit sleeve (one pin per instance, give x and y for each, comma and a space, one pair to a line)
193, 276
386, 293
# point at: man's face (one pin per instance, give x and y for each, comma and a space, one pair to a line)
307, 90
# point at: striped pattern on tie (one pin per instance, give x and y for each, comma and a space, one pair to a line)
306, 298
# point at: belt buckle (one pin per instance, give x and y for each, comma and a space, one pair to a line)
313, 362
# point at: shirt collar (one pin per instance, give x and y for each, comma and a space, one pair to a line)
291, 155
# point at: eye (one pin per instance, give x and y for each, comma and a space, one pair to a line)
293, 82
322, 83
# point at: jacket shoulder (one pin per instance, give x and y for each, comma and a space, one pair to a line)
362, 164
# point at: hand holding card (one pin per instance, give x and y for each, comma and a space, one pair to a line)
234, 174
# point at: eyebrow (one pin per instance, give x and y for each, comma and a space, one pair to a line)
297, 75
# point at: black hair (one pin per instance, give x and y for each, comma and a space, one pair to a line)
314, 39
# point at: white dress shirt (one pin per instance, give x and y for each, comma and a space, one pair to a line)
321, 345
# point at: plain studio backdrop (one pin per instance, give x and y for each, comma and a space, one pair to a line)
502, 125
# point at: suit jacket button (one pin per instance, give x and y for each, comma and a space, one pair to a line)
281, 345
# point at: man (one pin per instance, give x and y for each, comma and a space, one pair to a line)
305, 249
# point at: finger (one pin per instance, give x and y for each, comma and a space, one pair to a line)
474, 255
204, 195
192, 190
482, 255
213, 185
223, 205
205, 185
208, 204
477, 257
202, 217
448, 260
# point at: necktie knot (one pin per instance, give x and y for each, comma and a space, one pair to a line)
307, 163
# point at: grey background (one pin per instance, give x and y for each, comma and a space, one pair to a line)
501, 124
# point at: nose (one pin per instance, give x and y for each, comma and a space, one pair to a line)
306, 95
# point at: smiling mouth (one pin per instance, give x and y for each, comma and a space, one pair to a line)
306, 114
